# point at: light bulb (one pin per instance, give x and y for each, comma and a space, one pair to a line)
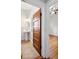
52, 12
51, 7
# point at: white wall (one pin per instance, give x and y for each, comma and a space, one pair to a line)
51, 25
52, 20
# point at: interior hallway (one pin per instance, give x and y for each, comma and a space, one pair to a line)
28, 51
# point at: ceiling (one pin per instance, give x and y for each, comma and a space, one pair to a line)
44, 0
40, 0
28, 10
49, 1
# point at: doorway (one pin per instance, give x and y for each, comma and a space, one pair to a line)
30, 31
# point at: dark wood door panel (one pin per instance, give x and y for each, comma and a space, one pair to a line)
37, 42
36, 36
37, 31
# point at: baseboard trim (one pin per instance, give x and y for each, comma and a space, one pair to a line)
53, 35
45, 58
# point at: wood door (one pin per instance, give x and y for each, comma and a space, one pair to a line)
37, 31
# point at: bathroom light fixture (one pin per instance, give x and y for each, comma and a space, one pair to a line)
53, 10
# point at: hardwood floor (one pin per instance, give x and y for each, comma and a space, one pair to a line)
28, 51
53, 47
